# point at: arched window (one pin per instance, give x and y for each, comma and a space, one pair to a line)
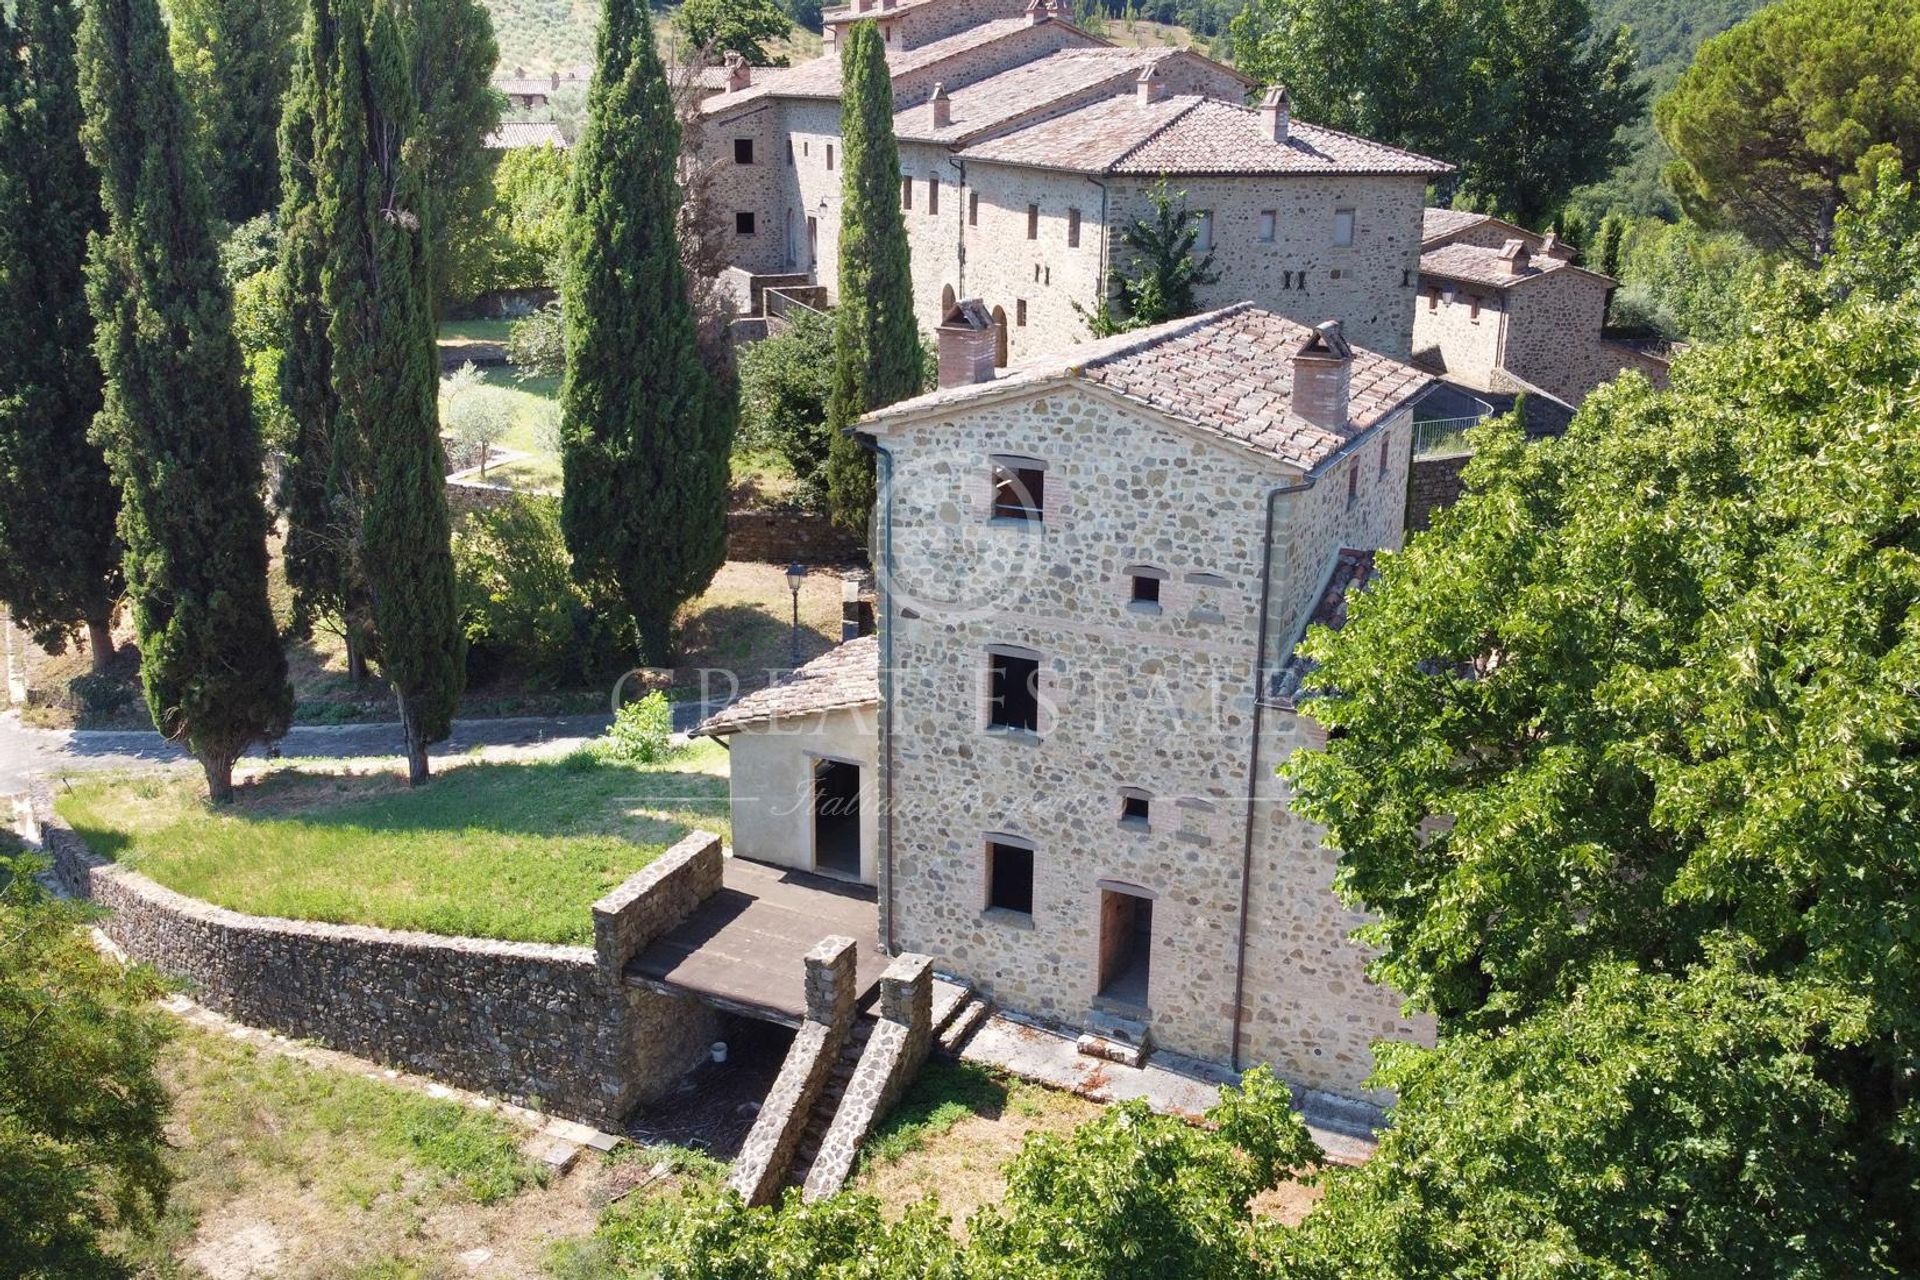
1000, 337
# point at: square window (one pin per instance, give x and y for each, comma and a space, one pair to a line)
1033, 222
743, 223
1009, 877
1013, 692
1203, 231
1135, 806
1269, 219
1146, 589
1019, 490
1343, 227
1020, 312
743, 150
1073, 228
973, 208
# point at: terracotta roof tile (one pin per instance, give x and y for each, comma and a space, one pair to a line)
1229, 372
1352, 571
987, 104
526, 133
1435, 223
820, 77
845, 676
1474, 264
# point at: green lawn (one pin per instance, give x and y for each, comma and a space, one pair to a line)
474, 330
518, 851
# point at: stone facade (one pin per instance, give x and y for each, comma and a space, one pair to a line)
771, 786
1433, 483
1155, 701
549, 1026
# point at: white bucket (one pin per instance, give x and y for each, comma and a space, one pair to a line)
719, 1050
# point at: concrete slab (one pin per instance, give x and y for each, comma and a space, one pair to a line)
1168, 1083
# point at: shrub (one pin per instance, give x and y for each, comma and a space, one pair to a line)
784, 383
642, 731
537, 345
473, 413
519, 604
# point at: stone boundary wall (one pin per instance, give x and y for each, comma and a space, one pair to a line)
467, 496
537, 1024
771, 535
765, 1156
1433, 483
892, 1058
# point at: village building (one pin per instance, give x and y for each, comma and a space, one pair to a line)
1028, 146
1095, 570
1504, 310
515, 134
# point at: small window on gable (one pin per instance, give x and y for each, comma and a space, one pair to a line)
1384, 442
743, 150
1353, 484
1136, 807
973, 208
933, 194
1269, 220
1019, 489
1073, 228
1009, 875
1143, 587
789, 151
1473, 312
1203, 227
1033, 222
743, 223
829, 155
1343, 227
1013, 690
906, 193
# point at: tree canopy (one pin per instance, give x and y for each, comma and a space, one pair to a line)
1524, 95
1159, 278
453, 54
719, 27
234, 58
1782, 118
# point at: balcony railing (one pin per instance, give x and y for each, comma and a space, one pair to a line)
1444, 437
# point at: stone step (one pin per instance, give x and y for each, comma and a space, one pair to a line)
950, 996
964, 1024
1119, 1028
1127, 1055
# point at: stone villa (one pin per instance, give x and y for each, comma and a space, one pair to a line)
1055, 759
1027, 146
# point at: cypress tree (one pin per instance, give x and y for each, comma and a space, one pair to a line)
645, 431
233, 58
388, 470
59, 553
454, 55
876, 342
176, 423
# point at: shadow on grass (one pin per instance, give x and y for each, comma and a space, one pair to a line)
945, 1093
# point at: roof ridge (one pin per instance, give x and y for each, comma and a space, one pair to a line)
1158, 335
1373, 142
1159, 129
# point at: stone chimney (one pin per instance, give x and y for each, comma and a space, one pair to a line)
1514, 258
942, 107
1322, 377
1037, 12
1552, 247
967, 344
739, 74
1148, 88
1276, 114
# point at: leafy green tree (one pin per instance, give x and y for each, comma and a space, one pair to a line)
646, 431
83, 1114
454, 54
176, 425
1641, 700
233, 58
1783, 117
476, 417
519, 606
876, 343
527, 219
388, 465
1523, 95
59, 555
785, 382
1685, 282
719, 27
1159, 278
1876, 239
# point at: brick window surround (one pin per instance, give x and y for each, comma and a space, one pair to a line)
1013, 689
1009, 874
1019, 489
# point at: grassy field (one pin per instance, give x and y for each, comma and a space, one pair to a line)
517, 851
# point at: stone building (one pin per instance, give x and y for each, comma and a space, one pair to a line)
1095, 571
1503, 309
1027, 146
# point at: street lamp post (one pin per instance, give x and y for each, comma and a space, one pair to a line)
796, 574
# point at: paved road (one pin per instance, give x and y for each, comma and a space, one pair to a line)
26, 752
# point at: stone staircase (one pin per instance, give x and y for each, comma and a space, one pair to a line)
815, 1134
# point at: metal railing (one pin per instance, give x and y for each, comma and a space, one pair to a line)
1444, 437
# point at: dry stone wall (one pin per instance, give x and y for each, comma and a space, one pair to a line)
891, 1059
549, 1026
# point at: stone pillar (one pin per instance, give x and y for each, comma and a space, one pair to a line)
906, 997
831, 983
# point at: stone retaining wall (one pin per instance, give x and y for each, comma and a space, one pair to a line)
891, 1060
1433, 483
467, 496
537, 1024
771, 535
764, 1158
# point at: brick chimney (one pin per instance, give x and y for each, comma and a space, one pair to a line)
739, 74
1514, 257
1037, 12
1322, 377
1148, 88
1276, 114
968, 344
942, 107
1552, 247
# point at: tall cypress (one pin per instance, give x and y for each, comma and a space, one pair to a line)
645, 432
233, 58
176, 423
388, 468
876, 341
454, 56
59, 553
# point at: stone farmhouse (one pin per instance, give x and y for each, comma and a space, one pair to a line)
1027, 146
1055, 758
1503, 309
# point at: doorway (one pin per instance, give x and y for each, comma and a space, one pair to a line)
813, 242
836, 818
1126, 946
